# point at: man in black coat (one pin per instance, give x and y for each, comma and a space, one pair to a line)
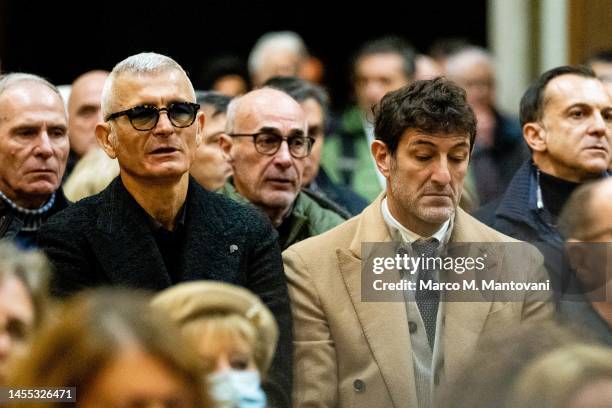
154, 226
566, 115
33, 151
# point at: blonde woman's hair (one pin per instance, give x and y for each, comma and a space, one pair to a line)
91, 175
206, 305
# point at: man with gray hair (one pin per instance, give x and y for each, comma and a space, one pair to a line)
267, 145
154, 225
499, 149
276, 53
33, 152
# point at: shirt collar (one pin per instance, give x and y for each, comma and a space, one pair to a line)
399, 232
180, 219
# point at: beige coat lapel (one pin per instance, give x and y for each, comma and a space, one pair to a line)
464, 321
384, 324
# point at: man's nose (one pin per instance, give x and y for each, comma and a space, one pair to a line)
283, 156
164, 126
440, 173
374, 91
599, 126
44, 147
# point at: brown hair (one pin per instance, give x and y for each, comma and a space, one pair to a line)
91, 329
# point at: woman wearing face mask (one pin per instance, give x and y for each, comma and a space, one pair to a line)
233, 331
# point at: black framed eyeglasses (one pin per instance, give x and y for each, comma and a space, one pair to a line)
268, 143
145, 117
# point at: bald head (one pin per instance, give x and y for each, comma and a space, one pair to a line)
84, 110
262, 102
268, 170
587, 212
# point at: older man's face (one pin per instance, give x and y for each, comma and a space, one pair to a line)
315, 118
576, 127
211, 168
33, 143
268, 181
165, 151
84, 110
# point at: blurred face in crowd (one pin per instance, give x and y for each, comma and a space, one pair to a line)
211, 167
603, 70
426, 68
84, 110
573, 140
375, 75
424, 177
591, 253
474, 74
135, 378
315, 118
269, 181
230, 85
595, 394
33, 143
16, 321
278, 63
225, 349
163, 152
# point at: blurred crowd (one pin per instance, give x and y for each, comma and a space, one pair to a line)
168, 241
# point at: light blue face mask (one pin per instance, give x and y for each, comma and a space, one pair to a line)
237, 389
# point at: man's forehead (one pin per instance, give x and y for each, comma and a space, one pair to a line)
152, 85
415, 137
274, 114
27, 102
574, 89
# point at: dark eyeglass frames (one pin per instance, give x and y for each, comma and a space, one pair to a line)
268, 143
145, 117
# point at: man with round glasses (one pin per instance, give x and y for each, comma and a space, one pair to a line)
154, 225
267, 143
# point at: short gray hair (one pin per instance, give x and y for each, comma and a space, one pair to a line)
12, 79
32, 269
275, 40
471, 52
230, 115
145, 63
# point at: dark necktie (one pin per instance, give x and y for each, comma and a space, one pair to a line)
427, 299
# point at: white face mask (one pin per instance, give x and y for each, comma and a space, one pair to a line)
237, 389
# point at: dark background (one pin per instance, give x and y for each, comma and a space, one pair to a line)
60, 40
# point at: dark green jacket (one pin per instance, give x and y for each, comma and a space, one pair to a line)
308, 218
347, 158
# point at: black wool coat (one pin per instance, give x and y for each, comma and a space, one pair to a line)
106, 239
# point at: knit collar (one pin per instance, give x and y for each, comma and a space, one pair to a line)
28, 211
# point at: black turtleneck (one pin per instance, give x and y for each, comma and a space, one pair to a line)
555, 192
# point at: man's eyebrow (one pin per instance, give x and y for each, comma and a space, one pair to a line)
276, 131
423, 142
416, 143
461, 144
581, 105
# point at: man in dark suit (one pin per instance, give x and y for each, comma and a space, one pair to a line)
33, 150
154, 226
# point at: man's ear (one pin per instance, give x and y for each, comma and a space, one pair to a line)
535, 136
382, 156
200, 121
106, 139
226, 143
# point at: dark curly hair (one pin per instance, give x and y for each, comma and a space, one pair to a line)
430, 106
